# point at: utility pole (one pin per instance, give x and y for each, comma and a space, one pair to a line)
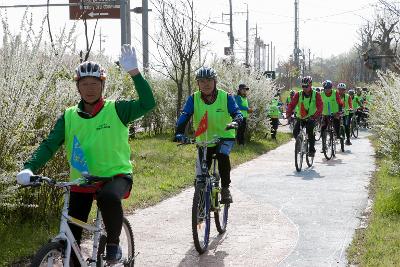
271, 55
309, 60
145, 34
199, 44
267, 45
124, 28
231, 39
247, 37
296, 34
273, 66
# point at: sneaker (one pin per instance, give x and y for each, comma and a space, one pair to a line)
348, 143
226, 196
114, 253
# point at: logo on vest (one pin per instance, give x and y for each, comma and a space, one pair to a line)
219, 110
103, 126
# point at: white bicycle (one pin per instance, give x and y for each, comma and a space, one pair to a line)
58, 251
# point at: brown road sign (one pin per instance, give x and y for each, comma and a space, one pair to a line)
94, 9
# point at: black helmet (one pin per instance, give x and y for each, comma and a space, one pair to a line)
327, 84
306, 81
206, 73
292, 92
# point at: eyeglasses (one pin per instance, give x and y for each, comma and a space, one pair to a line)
304, 86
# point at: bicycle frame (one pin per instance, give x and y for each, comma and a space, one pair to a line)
65, 234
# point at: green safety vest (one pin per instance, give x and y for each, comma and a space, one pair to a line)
345, 98
273, 109
329, 103
355, 99
218, 116
103, 140
310, 104
245, 103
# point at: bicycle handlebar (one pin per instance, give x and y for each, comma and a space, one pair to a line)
38, 180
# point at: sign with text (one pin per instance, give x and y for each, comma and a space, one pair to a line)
94, 9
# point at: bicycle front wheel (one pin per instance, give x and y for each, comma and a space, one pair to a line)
126, 242
51, 254
298, 153
309, 160
221, 214
354, 128
328, 145
201, 218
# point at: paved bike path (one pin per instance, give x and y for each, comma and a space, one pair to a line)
279, 218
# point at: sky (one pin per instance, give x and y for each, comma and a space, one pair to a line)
327, 27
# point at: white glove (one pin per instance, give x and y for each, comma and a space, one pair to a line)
128, 59
24, 177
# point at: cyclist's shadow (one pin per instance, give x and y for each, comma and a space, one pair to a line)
209, 258
332, 162
307, 174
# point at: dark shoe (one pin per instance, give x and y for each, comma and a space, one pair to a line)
226, 196
114, 253
348, 143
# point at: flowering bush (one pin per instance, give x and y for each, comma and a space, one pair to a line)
260, 93
385, 117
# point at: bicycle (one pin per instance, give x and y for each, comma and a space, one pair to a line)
342, 132
328, 139
58, 251
206, 198
317, 129
301, 148
354, 125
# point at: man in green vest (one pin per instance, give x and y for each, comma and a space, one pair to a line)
243, 104
221, 110
332, 106
348, 106
310, 108
100, 128
274, 112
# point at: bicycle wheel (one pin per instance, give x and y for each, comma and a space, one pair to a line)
309, 160
221, 214
201, 218
354, 128
298, 153
126, 242
342, 137
317, 132
333, 143
51, 254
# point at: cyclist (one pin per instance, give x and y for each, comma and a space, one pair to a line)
221, 109
274, 112
348, 106
100, 127
289, 98
310, 108
332, 105
243, 103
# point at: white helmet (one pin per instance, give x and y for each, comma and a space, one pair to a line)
341, 86
90, 69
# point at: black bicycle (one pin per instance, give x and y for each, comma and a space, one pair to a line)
329, 139
342, 132
206, 198
301, 147
354, 125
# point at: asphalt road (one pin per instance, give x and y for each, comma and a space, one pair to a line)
279, 217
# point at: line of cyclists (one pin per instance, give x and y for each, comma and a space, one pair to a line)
313, 107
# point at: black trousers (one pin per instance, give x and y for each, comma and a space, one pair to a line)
336, 125
224, 164
346, 122
274, 127
310, 124
109, 202
241, 131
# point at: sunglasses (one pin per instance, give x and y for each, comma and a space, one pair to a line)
304, 86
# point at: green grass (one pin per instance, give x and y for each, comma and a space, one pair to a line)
19, 241
379, 243
161, 169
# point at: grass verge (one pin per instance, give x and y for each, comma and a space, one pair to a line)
161, 169
379, 243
